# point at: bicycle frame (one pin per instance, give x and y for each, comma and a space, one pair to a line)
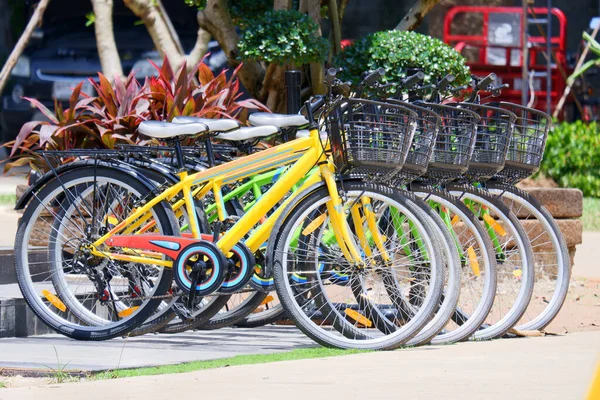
301, 155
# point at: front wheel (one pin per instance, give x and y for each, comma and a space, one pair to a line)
379, 305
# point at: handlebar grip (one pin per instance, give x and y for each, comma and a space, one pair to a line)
373, 76
485, 82
445, 82
459, 88
412, 80
330, 76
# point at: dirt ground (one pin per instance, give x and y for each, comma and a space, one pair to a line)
581, 311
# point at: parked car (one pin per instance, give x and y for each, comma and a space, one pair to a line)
63, 53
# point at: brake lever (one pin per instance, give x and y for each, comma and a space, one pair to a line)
497, 91
421, 90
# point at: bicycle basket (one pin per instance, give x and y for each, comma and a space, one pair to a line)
417, 160
369, 137
527, 144
454, 142
494, 132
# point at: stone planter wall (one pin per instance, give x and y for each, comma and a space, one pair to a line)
566, 206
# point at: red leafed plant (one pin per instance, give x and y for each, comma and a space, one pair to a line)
113, 115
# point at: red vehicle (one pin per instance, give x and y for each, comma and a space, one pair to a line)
498, 47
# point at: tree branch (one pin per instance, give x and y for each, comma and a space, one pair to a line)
154, 20
415, 15
200, 48
216, 19
36, 18
105, 39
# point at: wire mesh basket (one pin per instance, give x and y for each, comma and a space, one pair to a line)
527, 144
419, 154
369, 137
494, 132
454, 142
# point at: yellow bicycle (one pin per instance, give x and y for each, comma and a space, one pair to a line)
97, 248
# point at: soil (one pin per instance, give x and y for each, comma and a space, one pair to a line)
539, 182
581, 311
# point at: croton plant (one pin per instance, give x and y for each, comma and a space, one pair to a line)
113, 115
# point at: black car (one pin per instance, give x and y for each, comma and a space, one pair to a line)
63, 53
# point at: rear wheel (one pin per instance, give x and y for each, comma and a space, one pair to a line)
80, 295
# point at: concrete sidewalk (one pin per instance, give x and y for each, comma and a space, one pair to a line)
40, 352
587, 263
533, 368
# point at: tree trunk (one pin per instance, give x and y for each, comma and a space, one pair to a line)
416, 14
154, 20
36, 18
274, 88
282, 4
172, 30
335, 26
317, 70
105, 39
215, 19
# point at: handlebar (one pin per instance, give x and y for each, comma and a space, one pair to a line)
342, 89
372, 77
411, 81
330, 76
484, 83
421, 90
312, 105
496, 90
445, 82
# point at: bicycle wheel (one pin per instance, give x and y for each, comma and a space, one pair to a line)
514, 260
82, 296
478, 286
268, 312
187, 320
364, 312
551, 256
452, 274
238, 307
163, 313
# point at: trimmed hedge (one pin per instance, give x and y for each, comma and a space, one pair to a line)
572, 156
396, 51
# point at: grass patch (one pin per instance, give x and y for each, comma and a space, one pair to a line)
9, 199
299, 354
591, 214
2, 385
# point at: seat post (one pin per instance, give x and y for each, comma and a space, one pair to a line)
179, 155
210, 155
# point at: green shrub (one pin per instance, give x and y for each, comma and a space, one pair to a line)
282, 36
396, 51
572, 156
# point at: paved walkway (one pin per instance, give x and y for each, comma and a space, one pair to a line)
587, 263
534, 368
40, 352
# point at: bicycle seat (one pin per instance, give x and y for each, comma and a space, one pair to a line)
248, 133
167, 130
279, 120
214, 125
